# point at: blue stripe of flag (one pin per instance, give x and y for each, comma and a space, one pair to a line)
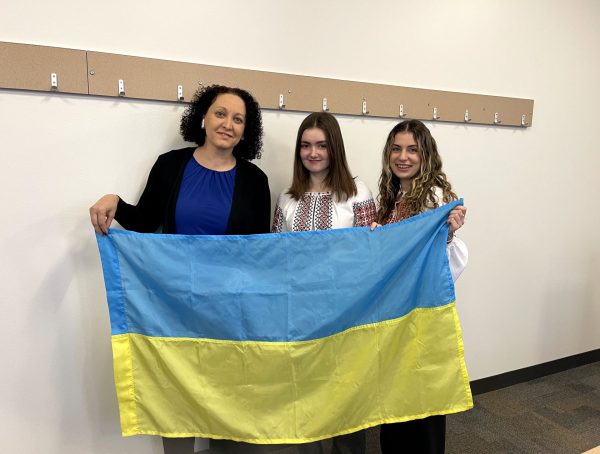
275, 287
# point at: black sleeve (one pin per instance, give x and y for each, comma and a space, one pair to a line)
263, 206
251, 204
149, 213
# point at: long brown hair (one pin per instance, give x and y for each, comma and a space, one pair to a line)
430, 176
338, 177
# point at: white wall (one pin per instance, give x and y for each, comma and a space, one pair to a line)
531, 292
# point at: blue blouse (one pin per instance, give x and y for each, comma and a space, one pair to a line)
204, 200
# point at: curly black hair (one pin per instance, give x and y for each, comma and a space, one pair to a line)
249, 148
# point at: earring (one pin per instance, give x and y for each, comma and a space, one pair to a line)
202, 125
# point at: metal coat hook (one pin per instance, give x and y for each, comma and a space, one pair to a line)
524, 120
325, 105
281, 103
497, 120
364, 107
402, 113
435, 114
121, 87
53, 81
180, 92
467, 117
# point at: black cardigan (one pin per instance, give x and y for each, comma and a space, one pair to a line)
250, 207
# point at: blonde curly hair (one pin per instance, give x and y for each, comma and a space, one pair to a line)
421, 195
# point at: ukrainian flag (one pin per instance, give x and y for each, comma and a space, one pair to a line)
284, 338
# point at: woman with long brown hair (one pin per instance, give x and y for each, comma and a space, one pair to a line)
323, 196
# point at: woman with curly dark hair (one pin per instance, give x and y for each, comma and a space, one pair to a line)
208, 189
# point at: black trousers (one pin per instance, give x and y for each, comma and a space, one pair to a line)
420, 436
354, 443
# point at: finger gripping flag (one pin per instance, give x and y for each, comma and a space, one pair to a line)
284, 338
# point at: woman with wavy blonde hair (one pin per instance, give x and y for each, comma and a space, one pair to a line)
412, 182
416, 176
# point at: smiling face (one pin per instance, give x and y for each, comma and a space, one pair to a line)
225, 121
405, 159
314, 152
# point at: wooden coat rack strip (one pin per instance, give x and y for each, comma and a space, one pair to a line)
31, 67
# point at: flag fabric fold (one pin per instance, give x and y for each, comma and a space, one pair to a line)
284, 338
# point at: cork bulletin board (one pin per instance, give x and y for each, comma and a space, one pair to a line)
84, 72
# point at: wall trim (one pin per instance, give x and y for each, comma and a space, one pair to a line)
515, 377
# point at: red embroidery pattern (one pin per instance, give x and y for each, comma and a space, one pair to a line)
398, 213
314, 212
277, 220
364, 213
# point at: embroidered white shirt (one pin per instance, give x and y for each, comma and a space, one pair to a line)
320, 211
